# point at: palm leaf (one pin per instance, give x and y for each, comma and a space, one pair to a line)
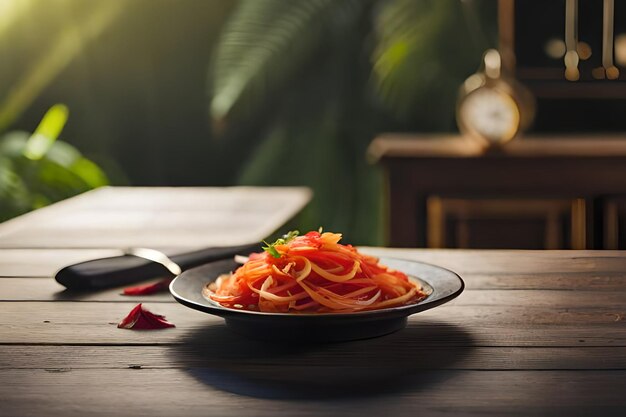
263, 45
318, 139
425, 49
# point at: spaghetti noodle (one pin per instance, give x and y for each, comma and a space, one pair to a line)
313, 273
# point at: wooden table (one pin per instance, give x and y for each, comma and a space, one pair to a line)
534, 333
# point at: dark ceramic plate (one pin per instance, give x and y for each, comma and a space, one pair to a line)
440, 284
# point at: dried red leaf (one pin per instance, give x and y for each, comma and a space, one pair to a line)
141, 319
147, 289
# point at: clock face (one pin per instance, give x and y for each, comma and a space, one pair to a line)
490, 114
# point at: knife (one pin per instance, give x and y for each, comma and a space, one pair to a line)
140, 264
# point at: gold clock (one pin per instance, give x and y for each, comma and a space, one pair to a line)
493, 108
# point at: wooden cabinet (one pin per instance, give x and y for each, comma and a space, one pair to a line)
551, 192
509, 223
614, 222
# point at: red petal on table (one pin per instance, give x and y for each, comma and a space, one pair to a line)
147, 289
141, 319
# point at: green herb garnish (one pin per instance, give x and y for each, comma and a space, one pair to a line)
271, 247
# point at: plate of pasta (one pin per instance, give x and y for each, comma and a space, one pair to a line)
313, 288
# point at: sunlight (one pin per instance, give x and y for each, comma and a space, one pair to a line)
67, 45
10, 10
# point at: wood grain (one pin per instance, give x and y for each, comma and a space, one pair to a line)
601, 281
45, 262
47, 289
220, 392
511, 262
95, 323
455, 146
534, 333
118, 217
372, 352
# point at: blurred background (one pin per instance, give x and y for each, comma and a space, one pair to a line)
225, 92
274, 92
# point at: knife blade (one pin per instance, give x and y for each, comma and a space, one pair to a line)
128, 269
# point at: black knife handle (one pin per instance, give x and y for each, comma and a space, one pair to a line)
124, 270
196, 258
109, 272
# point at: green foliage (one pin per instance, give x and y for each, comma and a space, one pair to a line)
37, 170
263, 44
425, 50
334, 73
